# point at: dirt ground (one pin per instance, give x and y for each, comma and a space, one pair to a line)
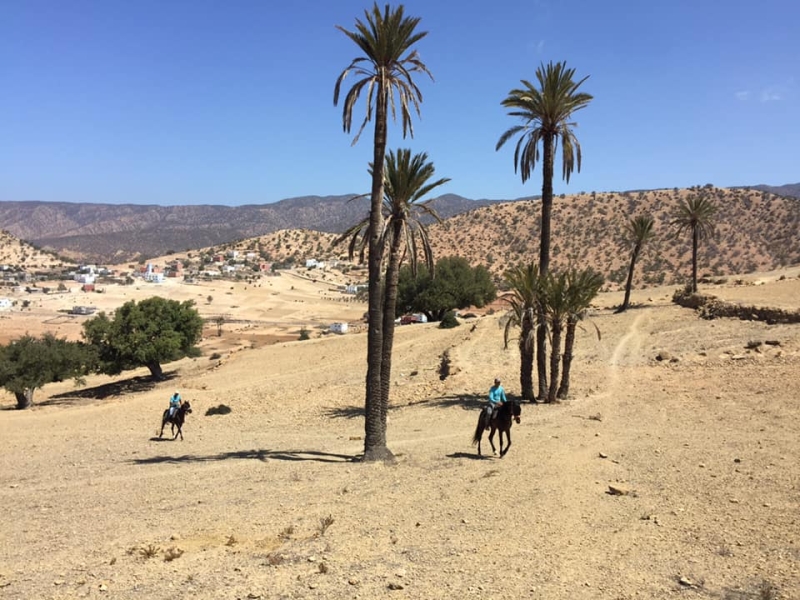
267, 501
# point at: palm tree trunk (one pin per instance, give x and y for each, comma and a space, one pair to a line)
695, 241
389, 308
555, 360
569, 342
375, 419
629, 282
526, 351
544, 258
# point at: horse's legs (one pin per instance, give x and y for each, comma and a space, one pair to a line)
162, 429
508, 442
491, 439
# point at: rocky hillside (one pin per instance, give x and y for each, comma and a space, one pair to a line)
16, 255
755, 231
109, 233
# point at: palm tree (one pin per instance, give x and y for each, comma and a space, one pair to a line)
555, 300
546, 112
638, 231
403, 230
384, 70
583, 287
695, 214
523, 282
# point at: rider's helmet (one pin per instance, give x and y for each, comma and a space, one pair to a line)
497, 381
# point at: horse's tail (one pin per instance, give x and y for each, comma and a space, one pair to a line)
478, 429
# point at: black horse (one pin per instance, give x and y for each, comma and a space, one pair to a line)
508, 413
176, 420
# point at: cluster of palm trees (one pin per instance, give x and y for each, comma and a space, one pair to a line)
555, 303
544, 305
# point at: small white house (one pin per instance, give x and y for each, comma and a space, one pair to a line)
338, 327
5, 303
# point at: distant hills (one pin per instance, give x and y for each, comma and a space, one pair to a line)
113, 233
790, 190
756, 230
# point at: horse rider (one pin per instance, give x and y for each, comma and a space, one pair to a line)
174, 403
497, 397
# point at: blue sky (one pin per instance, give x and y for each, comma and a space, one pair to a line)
211, 102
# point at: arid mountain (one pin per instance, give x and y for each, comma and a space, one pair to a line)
16, 254
791, 190
755, 231
121, 232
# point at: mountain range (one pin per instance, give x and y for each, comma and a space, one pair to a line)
113, 233
755, 230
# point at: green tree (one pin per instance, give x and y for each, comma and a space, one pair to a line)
638, 231
28, 363
696, 215
384, 70
582, 287
456, 285
407, 181
546, 113
523, 284
154, 331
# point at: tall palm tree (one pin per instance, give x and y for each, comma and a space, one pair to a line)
695, 214
407, 181
384, 70
546, 112
638, 231
523, 283
583, 287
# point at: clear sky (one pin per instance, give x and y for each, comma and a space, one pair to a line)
231, 102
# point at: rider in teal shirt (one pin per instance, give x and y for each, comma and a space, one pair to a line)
497, 397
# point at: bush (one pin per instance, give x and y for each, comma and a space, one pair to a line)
449, 320
304, 335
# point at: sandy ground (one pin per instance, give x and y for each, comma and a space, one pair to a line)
267, 501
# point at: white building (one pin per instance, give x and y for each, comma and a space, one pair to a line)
5, 303
338, 327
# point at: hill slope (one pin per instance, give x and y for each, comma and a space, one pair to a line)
755, 231
122, 232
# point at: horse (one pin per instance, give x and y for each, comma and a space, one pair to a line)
176, 420
508, 413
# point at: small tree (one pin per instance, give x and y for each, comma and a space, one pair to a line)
456, 285
695, 214
28, 363
219, 322
146, 334
638, 231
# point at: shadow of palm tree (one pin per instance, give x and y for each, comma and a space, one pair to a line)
259, 454
465, 401
132, 385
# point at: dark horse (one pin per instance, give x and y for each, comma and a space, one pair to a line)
175, 420
506, 415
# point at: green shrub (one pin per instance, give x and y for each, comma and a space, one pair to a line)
449, 320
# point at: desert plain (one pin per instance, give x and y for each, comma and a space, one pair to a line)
695, 423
